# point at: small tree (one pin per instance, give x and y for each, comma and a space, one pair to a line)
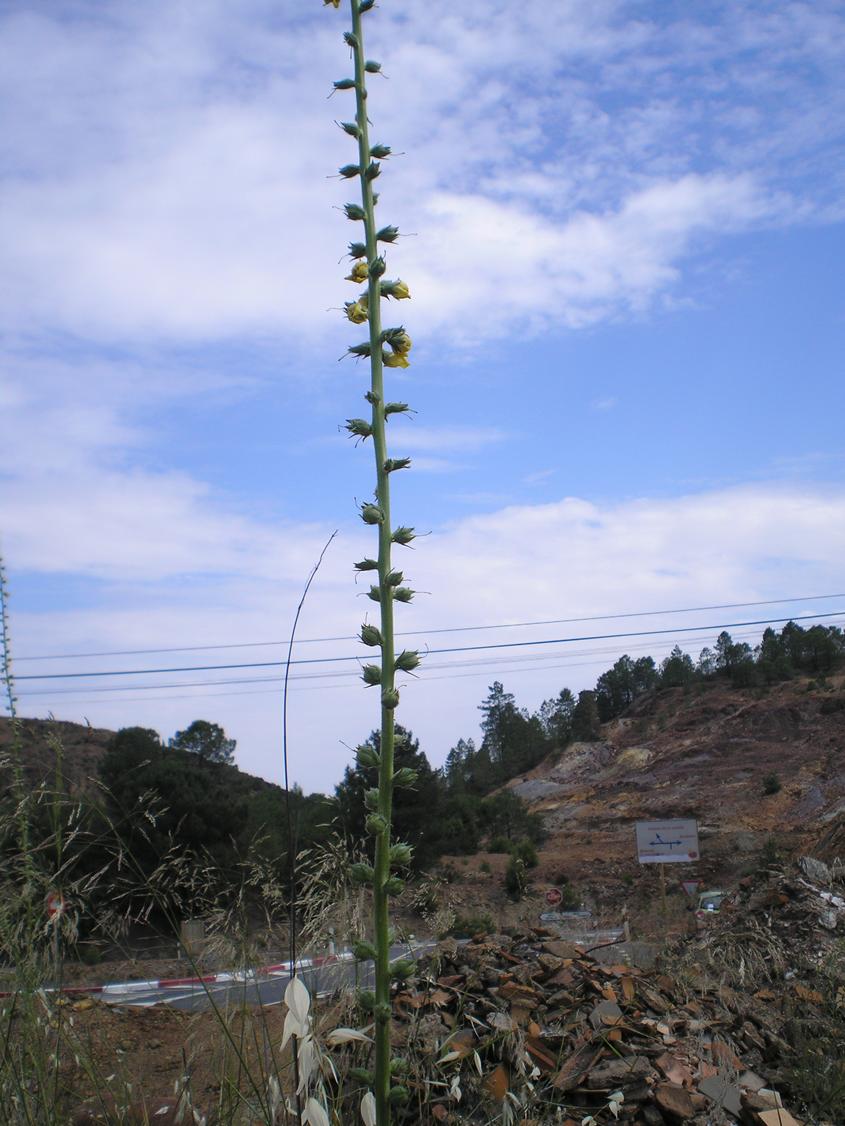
207, 740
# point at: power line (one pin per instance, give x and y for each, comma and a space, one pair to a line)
443, 629
448, 649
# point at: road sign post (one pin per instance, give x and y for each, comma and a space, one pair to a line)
667, 842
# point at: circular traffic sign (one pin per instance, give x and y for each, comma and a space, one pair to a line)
553, 896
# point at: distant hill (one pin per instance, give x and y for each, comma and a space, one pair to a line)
82, 748
750, 764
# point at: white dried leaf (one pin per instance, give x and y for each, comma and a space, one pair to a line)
293, 1027
298, 999
314, 1114
368, 1109
306, 1062
478, 1065
347, 1035
450, 1056
614, 1102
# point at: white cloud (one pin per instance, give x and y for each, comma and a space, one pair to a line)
570, 558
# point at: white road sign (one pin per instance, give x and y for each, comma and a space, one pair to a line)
667, 842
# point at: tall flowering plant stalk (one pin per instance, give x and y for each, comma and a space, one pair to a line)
385, 348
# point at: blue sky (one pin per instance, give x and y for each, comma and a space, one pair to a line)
624, 236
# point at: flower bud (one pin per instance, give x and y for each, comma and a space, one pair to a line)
407, 661
371, 798
402, 969
367, 1000
351, 128
344, 83
372, 397
361, 1073
394, 578
367, 565
400, 854
350, 39
400, 342
354, 212
358, 273
398, 1066
381, 152
372, 67
390, 699
387, 234
370, 635
348, 171
403, 536
365, 6
359, 428
403, 594
373, 170
376, 824
394, 463
377, 267
395, 408
334, 3
371, 675
394, 886
371, 514
362, 874
364, 951
362, 349
367, 756
405, 776
357, 250
398, 1096
374, 593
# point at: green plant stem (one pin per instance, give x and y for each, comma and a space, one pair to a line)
381, 920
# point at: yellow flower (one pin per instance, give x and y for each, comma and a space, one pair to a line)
357, 311
395, 360
334, 3
358, 273
401, 343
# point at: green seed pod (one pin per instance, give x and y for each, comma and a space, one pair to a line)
400, 854
365, 5
362, 1075
376, 824
373, 170
390, 699
367, 1000
394, 463
371, 675
395, 408
371, 514
398, 1066
367, 756
357, 250
407, 661
370, 635
351, 128
371, 798
362, 349
398, 1096
381, 151
364, 951
394, 886
400, 738
362, 874
382, 1012
354, 211
350, 39
394, 578
359, 428
372, 67
403, 536
367, 565
349, 171
344, 84
403, 594
387, 234
377, 267
402, 969
405, 777
375, 593
372, 397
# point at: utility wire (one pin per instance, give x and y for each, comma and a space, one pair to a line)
444, 629
449, 649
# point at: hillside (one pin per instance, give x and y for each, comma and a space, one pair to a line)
708, 752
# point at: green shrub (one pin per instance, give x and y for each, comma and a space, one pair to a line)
525, 851
465, 926
499, 844
516, 879
771, 784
